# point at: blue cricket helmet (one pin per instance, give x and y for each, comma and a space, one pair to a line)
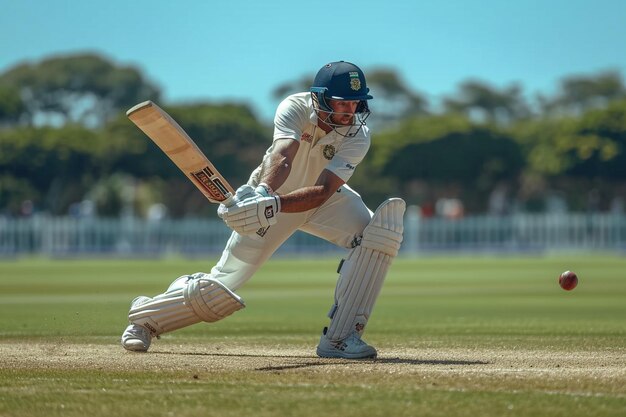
341, 80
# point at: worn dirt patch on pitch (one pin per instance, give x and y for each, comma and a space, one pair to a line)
603, 370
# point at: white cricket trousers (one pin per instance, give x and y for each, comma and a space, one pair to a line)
340, 220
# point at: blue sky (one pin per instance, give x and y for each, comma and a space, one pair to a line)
241, 50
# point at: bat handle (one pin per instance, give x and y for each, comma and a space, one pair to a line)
229, 201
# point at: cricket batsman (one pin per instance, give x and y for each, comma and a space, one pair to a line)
320, 137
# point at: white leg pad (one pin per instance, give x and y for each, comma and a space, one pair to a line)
363, 272
201, 299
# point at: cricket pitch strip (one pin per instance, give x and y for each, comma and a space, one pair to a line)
577, 372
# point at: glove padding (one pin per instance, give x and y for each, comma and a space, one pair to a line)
244, 192
251, 213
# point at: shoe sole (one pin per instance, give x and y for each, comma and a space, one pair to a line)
342, 355
136, 347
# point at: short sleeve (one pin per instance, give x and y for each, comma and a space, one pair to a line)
290, 120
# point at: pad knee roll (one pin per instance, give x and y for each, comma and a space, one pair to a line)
201, 299
364, 271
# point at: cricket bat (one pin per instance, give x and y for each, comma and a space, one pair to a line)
182, 150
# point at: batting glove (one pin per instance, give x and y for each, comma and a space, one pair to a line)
244, 192
256, 212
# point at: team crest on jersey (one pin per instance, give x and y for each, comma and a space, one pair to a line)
355, 81
328, 152
306, 137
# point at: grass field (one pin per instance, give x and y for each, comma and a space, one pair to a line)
480, 336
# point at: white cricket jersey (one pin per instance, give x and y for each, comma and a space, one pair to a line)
296, 119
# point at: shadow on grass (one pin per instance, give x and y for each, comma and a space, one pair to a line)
402, 361
313, 361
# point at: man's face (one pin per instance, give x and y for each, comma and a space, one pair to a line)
344, 111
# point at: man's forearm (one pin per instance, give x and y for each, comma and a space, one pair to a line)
303, 199
307, 198
277, 167
275, 170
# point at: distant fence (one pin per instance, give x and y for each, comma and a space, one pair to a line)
516, 233
65, 236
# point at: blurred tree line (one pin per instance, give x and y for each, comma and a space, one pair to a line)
65, 141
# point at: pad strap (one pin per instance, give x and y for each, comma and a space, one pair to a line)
211, 300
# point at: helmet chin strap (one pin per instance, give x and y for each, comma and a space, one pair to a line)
358, 119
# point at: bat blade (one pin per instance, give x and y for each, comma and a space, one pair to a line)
182, 150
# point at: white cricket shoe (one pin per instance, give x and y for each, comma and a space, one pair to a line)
137, 338
352, 347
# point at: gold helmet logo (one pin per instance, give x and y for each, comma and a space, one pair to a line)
355, 81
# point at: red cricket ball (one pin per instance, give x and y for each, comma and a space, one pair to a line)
568, 280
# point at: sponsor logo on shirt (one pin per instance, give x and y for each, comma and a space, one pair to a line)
350, 166
306, 137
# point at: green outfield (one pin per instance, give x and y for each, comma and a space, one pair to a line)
480, 336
